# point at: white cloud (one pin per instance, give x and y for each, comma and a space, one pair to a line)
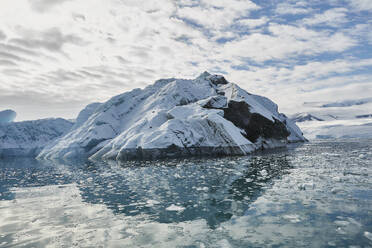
2, 35
254, 23
361, 4
362, 32
299, 7
330, 17
217, 14
287, 41
107, 47
44, 5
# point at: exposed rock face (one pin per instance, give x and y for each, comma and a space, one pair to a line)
27, 138
254, 125
174, 118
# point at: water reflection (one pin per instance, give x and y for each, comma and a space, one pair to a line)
164, 191
317, 195
28, 172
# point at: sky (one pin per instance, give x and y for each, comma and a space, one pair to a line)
56, 56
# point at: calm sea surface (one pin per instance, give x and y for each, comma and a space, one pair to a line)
318, 194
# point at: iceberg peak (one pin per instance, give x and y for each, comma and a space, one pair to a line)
204, 75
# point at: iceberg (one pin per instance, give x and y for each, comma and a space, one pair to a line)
28, 138
7, 116
176, 118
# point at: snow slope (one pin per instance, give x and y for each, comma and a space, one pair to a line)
177, 117
27, 138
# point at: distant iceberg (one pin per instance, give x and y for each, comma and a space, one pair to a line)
7, 116
27, 138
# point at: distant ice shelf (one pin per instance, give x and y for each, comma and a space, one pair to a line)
337, 129
345, 119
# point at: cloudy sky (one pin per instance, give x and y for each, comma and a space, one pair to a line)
56, 56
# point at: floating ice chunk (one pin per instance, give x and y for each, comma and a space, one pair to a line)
340, 231
331, 243
348, 226
264, 173
305, 186
175, 208
341, 223
362, 156
294, 218
151, 203
202, 188
224, 244
368, 235
337, 179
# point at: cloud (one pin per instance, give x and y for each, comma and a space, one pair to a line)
51, 39
216, 14
254, 23
297, 8
365, 5
45, 5
4, 62
362, 32
17, 50
262, 47
64, 48
331, 17
2, 35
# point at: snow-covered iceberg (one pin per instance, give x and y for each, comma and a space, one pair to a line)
27, 138
175, 118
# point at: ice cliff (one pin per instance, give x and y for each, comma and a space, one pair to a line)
173, 118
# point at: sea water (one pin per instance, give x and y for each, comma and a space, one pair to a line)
317, 194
